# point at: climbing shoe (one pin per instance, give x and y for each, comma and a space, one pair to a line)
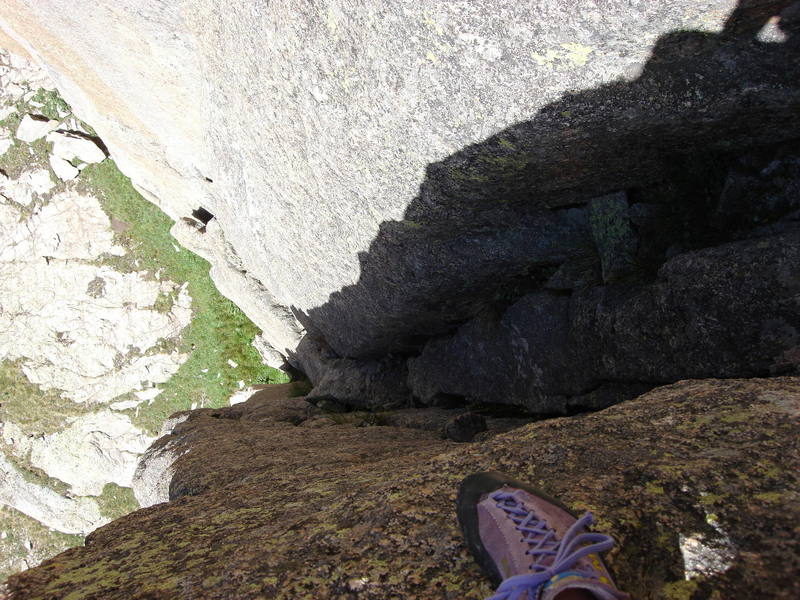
529, 545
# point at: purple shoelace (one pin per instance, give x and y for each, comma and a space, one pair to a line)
541, 539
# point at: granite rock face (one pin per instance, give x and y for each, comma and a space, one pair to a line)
66, 514
376, 176
725, 311
90, 331
697, 481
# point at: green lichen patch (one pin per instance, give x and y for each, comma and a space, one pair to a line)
367, 512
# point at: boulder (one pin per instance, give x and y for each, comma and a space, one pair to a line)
697, 481
63, 169
379, 174
34, 127
69, 146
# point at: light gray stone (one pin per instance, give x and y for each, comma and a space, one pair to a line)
92, 450
31, 129
63, 170
69, 146
80, 328
67, 515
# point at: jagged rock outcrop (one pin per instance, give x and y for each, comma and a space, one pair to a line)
386, 174
725, 311
698, 481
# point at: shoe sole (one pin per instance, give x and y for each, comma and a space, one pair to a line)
469, 495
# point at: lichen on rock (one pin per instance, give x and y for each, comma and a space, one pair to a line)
368, 512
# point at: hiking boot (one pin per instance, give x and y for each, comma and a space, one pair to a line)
530, 545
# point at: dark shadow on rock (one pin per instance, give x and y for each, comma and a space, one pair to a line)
627, 236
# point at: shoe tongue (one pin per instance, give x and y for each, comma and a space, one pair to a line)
576, 582
545, 561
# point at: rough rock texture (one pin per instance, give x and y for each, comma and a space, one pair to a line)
59, 512
92, 450
699, 476
380, 174
156, 468
728, 311
55, 304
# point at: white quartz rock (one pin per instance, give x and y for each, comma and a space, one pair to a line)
95, 449
31, 129
63, 170
69, 146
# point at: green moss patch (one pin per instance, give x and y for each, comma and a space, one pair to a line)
116, 501
219, 331
26, 405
